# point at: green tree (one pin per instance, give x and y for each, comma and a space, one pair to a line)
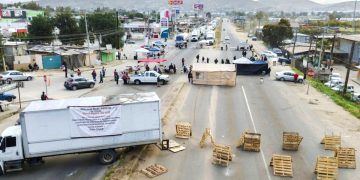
31, 5
274, 34
104, 24
40, 29
69, 29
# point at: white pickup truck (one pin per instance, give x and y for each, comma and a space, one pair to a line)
149, 77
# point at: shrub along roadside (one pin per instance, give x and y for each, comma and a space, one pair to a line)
343, 101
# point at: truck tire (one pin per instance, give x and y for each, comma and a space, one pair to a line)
74, 88
107, 156
137, 82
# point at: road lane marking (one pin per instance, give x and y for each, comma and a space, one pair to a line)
253, 124
212, 110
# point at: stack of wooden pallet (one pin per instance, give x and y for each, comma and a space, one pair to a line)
222, 154
331, 142
206, 135
326, 167
252, 142
282, 165
291, 141
183, 130
154, 170
346, 157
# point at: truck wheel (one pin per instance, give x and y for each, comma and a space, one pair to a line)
282, 79
137, 82
29, 78
107, 156
74, 88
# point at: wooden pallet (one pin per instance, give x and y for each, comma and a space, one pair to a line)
282, 165
154, 170
326, 167
241, 140
183, 130
291, 141
206, 134
252, 142
331, 142
222, 154
346, 157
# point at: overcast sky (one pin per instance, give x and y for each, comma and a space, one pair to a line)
318, 1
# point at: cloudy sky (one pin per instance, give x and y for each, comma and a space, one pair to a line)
318, 1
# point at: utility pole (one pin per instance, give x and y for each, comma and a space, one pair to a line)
307, 64
293, 50
321, 50
332, 51
348, 67
354, 22
117, 45
88, 38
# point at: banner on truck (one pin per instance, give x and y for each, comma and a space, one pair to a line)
94, 121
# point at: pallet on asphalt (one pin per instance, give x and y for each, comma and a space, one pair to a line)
177, 149
250, 141
154, 170
183, 130
222, 154
282, 165
346, 157
291, 141
331, 142
326, 168
206, 134
241, 140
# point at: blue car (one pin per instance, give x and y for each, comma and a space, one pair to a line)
7, 97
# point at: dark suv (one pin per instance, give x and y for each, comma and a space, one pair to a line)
75, 83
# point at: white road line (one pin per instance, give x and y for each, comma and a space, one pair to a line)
253, 124
212, 110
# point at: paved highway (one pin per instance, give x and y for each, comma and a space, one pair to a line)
269, 109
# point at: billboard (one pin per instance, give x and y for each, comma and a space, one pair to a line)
175, 2
165, 15
198, 7
13, 13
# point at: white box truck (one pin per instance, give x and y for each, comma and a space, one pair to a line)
89, 124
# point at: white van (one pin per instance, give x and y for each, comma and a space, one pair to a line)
195, 35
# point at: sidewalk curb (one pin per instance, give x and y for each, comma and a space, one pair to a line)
355, 81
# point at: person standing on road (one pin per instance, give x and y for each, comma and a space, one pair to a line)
207, 60
234, 58
190, 77
182, 62
197, 58
78, 72
158, 81
44, 96
222, 61
116, 76
65, 68
93, 74
101, 77
295, 77
216, 61
103, 70
203, 59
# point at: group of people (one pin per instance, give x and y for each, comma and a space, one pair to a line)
101, 74
34, 67
223, 61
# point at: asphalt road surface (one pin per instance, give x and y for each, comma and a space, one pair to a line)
269, 108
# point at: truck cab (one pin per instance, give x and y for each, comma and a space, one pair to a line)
11, 150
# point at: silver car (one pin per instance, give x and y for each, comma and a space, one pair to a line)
287, 76
14, 75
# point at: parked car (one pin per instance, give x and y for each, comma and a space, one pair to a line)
159, 44
14, 75
333, 83
340, 88
335, 76
356, 97
6, 96
277, 51
284, 60
227, 38
254, 38
287, 76
250, 35
75, 83
149, 77
130, 42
